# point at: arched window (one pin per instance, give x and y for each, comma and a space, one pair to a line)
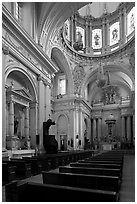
114, 33
131, 21
97, 39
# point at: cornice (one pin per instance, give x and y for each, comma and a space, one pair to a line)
10, 23
23, 59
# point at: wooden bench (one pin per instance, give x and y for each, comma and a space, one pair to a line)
91, 171
23, 170
35, 192
95, 165
109, 183
36, 166
103, 161
8, 173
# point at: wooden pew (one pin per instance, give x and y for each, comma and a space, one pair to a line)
35, 192
97, 165
108, 183
36, 166
8, 173
91, 171
23, 170
103, 160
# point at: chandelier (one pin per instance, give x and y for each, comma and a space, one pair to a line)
101, 81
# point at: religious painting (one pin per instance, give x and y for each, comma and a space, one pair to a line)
114, 33
67, 30
131, 21
97, 39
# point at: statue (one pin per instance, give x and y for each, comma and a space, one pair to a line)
78, 45
15, 125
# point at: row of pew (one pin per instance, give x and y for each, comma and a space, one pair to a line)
93, 179
17, 169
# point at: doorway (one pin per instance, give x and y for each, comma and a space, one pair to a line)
63, 142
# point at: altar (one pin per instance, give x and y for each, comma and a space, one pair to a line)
107, 146
21, 153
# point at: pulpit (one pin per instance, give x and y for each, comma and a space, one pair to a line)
49, 142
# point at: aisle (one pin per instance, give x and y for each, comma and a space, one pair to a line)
127, 191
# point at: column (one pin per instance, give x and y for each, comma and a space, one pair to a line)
129, 128
71, 31
74, 28
47, 101
108, 36
103, 36
26, 127
99, 128
133, 130
5, 54
86, 37
123, 127
11, 119
94, 128
33, 121
125, 25
41, 112
91, 49
121, 27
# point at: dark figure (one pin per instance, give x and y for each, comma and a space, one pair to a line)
49, 142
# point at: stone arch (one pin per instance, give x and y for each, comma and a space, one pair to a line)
24, 81
92, 75
61, 61
14, 68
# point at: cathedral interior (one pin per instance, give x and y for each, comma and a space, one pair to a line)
68, 95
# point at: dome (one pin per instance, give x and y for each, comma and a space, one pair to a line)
97, 9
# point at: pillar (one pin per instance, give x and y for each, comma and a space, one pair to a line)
103, 37
11, 119
33, 121
123, 127
94, 128
125, 25
91, 49
108, 36
121, 27
5, 53
133, 129
47, 101
99, 128
129, 128
71, 31
41, 113
26, 127
86, 37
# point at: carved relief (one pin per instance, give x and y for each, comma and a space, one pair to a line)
78, 76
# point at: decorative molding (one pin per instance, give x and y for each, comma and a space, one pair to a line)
5, 50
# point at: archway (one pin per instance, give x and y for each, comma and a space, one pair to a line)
21, 109
62, 132
60, 60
